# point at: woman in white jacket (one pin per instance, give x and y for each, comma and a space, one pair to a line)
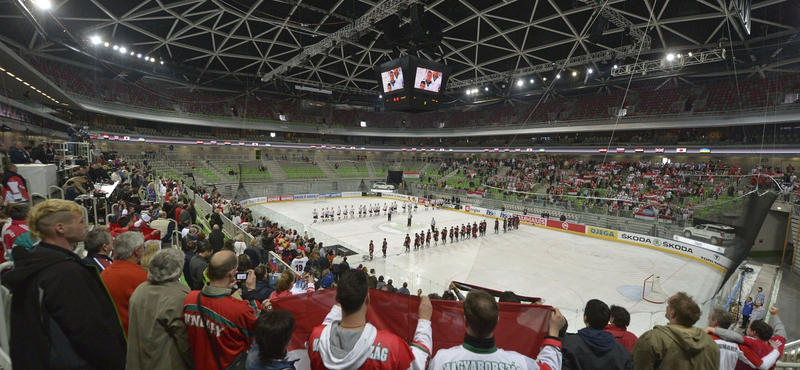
239, 246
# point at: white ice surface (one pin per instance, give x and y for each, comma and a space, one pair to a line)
565, 269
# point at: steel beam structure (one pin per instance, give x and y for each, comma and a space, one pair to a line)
676, 63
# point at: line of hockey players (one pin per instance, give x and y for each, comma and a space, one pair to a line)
467, 231
370, 210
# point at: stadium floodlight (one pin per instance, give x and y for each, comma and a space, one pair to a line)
105, 44
132, 53
116, 47
139, 56
531, 80
574, 74
95, 40
43, 4
519, 83
558, 76
590, 70
616, 66
152, 60
544, 78
380, 96
123, 50
670, 57
363, 123
162, 62
486, 88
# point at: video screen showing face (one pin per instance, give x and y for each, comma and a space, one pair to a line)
392, 80
428, 80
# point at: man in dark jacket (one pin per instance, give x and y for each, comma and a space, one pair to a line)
592, 347
192, 211
216, 219
18, 155
61, 316
217, 239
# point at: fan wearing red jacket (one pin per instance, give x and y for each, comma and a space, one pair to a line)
758, 338
364, 346
620, 319
15, 188
229, 322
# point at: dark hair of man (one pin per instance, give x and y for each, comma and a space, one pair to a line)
123, 221
352, 291
261, 272
273, 332
18, 211
687, 312
597, 314
481, 312
622, 318
763, 330
191, 246
509, 297
722, 318
244, 263
219, 268
205, 248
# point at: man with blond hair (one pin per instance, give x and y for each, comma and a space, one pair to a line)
677, 345
61, 316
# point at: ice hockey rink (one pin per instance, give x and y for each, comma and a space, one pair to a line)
565, 269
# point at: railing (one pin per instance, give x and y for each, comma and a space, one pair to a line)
228, 227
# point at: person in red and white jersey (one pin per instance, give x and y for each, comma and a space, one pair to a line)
729, 352
481, 313
18, 212
345, 340
758, 338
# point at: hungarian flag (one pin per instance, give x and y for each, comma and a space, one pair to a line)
639, 150
397, 313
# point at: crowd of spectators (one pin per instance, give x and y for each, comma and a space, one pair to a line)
207, 303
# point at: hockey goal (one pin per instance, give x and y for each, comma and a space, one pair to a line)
652, 291
321, 199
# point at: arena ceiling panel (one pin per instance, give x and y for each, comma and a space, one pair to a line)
229, 44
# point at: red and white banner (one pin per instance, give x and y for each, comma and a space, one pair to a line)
410, 175
475, 193
650, 217
397, 313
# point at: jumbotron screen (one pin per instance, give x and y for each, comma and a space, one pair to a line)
428, 80
392, 80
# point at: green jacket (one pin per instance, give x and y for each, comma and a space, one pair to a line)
675, 347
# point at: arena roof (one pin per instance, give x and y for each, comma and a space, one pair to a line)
230, 44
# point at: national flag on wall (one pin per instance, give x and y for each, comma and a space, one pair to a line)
200, 142
620, 150
705, 150
603, 150
639, 150
659, 150
680, 150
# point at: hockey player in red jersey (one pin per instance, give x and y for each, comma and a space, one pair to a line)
370, 349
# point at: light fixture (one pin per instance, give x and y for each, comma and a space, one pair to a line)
616, 66
486, 88
152, 60
95, 40
589, 71
690, 53
116, 47
558, 76
105, 44
162, 62
123, 50
272, 134
132, 53
43, 4
363, 123
574, 73
531, 80
544, 78
380, 96
519, 83
139, 56
670, 57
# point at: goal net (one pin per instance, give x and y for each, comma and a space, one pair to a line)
320, 198
652, 291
